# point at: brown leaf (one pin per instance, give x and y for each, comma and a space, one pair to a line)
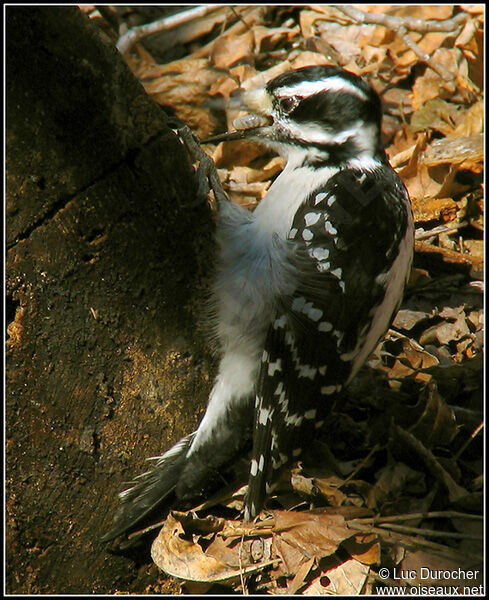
406, 319
329, 488
314, 534
456, 493
364, 548
301, 573
466, 152
184, 559
436, 114
436, 425
392, 480
345, 579
431, 85
472, 122
227, 50
446, 332
441, 259
422, 568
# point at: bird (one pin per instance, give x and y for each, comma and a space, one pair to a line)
305, 286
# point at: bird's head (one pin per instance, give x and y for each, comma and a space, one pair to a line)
322, 113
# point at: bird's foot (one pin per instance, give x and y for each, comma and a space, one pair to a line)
207, 177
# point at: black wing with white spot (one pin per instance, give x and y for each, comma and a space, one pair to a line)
345, 241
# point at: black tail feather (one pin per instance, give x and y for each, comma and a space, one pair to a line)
149, 489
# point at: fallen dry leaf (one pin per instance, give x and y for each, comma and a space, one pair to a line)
346, 579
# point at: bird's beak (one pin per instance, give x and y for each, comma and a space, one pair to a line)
258, 106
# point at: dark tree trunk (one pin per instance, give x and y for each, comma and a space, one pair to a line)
104, 267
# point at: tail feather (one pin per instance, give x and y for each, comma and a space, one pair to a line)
149, 489
195, 465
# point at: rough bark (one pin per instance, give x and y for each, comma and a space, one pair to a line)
105, 268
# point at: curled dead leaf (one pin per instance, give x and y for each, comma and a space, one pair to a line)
467, 152
436, 426
178, 553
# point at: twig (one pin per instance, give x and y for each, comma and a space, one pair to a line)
440, 514
430, 532
422, 235
455, 492
402, 25
408, 540
241, 575
467, 442
423, 56
360, 466
402, 157
410, 23
240, 17
137, 33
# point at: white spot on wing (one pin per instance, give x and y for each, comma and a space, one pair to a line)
319, 253
298, 303
323, 266
319, 197
325, 326
311, 218
281, 322
274, 366
314, 314
329, 228
328, 390
263, 416
307, 235
307, 371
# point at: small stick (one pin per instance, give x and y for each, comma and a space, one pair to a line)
401, 25
393, 22
422, 235
440, 514
467, 442
360, 466
139, 32
241, 575
455, 491
408, 540
431, 532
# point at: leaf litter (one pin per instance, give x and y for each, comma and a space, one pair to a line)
396, 481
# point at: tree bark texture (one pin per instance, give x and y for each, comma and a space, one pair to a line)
106, 266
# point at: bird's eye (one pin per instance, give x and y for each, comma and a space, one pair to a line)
288, 103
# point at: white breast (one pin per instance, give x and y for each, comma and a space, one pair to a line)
276, 211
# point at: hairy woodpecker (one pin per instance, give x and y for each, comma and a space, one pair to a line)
305, 286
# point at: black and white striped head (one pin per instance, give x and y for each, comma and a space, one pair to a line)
320, 113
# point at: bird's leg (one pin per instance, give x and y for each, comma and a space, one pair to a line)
207, 176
